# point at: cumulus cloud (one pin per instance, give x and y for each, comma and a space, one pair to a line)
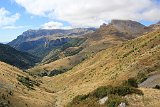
54, 25
93, 12
6, 18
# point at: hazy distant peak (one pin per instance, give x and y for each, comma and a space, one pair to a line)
158, 23
126, 22
128, 26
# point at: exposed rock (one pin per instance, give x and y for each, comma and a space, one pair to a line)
103, 100
151, 82
122, 104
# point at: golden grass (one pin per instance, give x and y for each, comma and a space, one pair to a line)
22, 96
149, 99
108, 67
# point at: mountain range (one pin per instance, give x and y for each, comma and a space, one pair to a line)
32, 41
118, 63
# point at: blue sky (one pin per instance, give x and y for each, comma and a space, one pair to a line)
17, 16
26, 21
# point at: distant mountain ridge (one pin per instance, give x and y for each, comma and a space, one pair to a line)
30, 35
41, 42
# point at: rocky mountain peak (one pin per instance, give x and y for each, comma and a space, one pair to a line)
128, 26
126, 23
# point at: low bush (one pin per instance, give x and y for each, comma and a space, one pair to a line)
119, 90
101, 91
114, 101
124, 90
88, 102
115, 95
132, 82
26, 81
79, 98
57, 71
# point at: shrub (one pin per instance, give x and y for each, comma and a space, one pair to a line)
88, 102
119, 90
101, 91
57, 71
79, 98
26, 81
132, 82
124, 90
115, 96
114, 101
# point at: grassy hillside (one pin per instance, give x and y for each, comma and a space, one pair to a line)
19, 59
64, 50
110, 67
15, 93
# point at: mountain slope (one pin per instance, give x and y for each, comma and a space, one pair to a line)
104, 37
14, 93
19, 59
109, 67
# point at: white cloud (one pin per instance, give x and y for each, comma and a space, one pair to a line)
13, 27
54, 25
93, 12
6, 18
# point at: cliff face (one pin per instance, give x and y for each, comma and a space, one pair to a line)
41, 42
